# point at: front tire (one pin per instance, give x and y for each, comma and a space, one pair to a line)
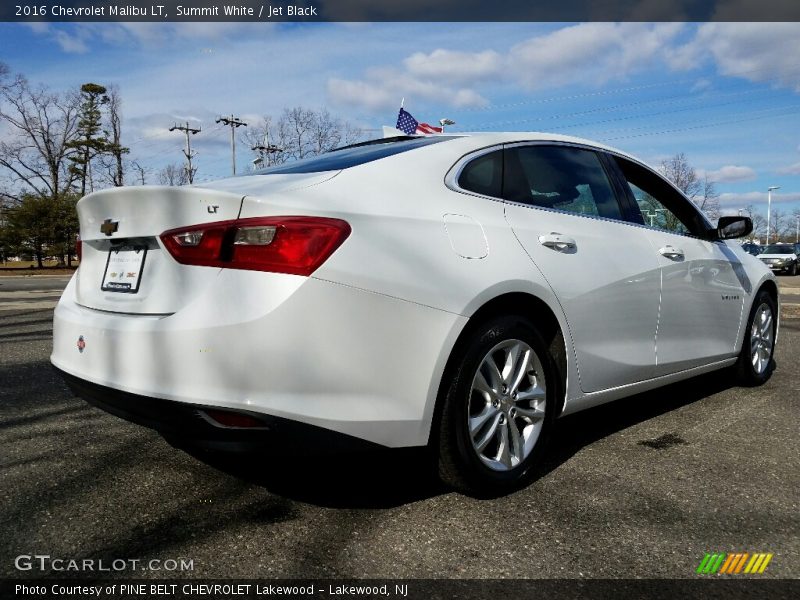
756, 362
498, 409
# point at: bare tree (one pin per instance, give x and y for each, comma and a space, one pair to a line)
700, 191
708, 200
777, 228
295, 132
173, 174
299, 133
678, 170
759, 222
140, 171
41, 124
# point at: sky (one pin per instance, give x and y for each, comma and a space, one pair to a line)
725, 94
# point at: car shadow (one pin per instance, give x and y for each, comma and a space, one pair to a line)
364, 479
574, 432
390, 478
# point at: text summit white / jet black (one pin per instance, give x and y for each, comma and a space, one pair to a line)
459, 292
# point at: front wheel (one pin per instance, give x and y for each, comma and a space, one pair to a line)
498, 407
756, 363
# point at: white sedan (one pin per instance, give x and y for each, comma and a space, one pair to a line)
459, 292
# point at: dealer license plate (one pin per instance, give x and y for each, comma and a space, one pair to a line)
124, 269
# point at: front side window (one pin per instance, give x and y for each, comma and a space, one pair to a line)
660, 205
655, 214
561, 178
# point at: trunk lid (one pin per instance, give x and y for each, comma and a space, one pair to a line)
119, 230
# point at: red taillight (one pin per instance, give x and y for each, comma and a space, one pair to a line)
294, 245
78, 247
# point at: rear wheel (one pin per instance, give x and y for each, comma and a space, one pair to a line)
755, 364
498, 407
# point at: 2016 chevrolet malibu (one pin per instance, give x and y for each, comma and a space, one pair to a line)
459, 292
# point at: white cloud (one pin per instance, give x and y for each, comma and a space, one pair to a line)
731, 174
589, 53
367, 95
383, 88
74, 44
790, 169
757, 52
39, 27
453, 66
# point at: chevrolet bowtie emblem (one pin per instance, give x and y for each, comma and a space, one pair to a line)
108, 227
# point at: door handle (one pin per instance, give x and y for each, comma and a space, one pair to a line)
671, 252
558, 242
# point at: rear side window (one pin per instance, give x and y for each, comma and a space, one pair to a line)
559, 177
484, 175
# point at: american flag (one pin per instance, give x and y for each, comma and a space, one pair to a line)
409, 125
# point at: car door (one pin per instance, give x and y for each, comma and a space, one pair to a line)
703, 284
564, 211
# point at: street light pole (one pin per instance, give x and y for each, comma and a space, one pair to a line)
797, 229
769, 205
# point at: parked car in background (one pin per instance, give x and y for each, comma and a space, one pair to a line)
781, 258
751, 248
455, 292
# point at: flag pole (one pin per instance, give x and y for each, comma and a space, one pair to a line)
402, 102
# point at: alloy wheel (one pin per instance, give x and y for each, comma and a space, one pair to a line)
761, 338
507, 405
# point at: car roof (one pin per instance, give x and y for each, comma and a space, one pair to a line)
471, 141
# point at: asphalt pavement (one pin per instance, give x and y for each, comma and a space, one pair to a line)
642, 487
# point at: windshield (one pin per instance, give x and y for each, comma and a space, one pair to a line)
351, 156
775, 249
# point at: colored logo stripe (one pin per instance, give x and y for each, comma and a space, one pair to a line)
734, 563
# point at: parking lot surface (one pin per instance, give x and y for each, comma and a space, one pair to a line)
643, 487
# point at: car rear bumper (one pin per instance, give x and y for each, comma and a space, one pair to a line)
299, 349
188, 425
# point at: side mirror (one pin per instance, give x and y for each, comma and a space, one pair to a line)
729, 228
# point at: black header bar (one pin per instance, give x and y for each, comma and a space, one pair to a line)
266, 11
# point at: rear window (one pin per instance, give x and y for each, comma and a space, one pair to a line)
352, 156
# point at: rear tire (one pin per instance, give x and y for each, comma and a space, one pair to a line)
498, 407
756, 362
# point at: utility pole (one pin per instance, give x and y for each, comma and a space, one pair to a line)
188, 152
234, 123
264, 150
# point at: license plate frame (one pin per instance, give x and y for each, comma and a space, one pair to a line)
127, 262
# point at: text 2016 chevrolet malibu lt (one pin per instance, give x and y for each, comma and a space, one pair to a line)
459, 292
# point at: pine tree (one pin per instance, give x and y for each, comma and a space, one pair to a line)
91, 140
